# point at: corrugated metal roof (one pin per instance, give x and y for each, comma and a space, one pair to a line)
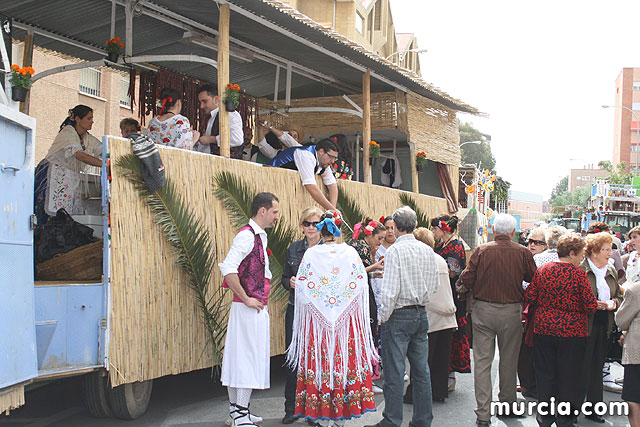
88, 23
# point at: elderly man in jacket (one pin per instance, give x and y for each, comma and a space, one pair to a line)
495, 274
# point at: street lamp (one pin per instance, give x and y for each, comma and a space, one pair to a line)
637, 130
406, 51
470, 142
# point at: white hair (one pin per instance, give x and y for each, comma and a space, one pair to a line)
405, 219
504, 224
553, 234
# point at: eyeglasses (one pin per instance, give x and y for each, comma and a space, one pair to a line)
333, 158
310, 223
536, 242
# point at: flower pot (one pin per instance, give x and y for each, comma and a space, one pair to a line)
373, 161
230, 106
113, 56
419, 168
19, 93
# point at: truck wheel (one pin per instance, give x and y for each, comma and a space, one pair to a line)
94, 396
130, 401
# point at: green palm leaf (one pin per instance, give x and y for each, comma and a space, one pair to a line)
236, 195
423, 219
351, 212
191, 243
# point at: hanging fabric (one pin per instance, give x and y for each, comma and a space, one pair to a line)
447, 186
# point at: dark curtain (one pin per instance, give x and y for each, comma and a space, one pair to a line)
447, 186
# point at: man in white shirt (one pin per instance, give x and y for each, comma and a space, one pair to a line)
310, 161
410, 279
210, 140
246, 360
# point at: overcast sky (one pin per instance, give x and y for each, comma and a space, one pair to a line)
541, 70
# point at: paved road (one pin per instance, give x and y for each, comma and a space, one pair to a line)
194, 400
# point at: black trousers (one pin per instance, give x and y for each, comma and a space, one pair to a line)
291, 380
439, 357
597, 346
526, 374
559, 366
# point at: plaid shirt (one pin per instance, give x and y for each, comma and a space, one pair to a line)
410, 275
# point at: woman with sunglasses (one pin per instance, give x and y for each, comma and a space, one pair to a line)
449, 247
308, 222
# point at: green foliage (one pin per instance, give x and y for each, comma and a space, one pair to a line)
351, 213
423, 219
192, 246
479, 154
561, 187
577, 197
501, 191
236, 195
618, 173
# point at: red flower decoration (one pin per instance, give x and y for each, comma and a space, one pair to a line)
338, 221
179, 122
335, 214
334, 138
443, 225
597, 230
269, 252
165, 140
381, 220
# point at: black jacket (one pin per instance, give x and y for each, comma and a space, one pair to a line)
294, 256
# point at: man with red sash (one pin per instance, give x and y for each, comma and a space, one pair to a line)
245, 364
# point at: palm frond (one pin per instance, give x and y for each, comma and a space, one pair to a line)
236, 195
351, 212
191, 243
423, 219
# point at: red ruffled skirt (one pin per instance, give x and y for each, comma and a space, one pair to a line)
343, 401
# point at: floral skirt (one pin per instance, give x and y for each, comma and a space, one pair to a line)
343, 401
460, 349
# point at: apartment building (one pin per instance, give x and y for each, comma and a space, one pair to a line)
585, 176
626, 139
527, 206
366, 22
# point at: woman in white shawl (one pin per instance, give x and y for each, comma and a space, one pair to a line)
332, 345
59, 174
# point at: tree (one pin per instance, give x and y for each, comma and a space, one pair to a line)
618, 173
561, 187
578, 197
479, 154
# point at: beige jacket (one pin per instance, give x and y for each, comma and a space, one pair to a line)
615, 292
628, 319
441, 310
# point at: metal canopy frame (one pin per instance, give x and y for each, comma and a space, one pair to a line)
323, 64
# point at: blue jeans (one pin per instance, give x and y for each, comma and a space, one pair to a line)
404, 335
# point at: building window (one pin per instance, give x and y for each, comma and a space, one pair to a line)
125, 99
635, 106
90, 81
636, 85
359, 23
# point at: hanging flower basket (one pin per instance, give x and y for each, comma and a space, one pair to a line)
231, 98
21, 82
19, 93
114, 47
374, 149
421, 160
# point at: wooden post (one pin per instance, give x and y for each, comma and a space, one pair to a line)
223, 78
415, 187
366, 125
27, 61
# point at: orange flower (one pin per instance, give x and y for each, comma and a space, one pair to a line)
14, 67
31, 70
23, 71
374, 143
121, 44
229, 86
236, 87
116, 39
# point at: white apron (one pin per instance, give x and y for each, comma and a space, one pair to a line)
246, 359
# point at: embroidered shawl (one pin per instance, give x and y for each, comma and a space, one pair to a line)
332, 303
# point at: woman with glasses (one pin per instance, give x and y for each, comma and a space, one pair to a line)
308, 222
562, 296
332, 347
537, 244
449, 247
